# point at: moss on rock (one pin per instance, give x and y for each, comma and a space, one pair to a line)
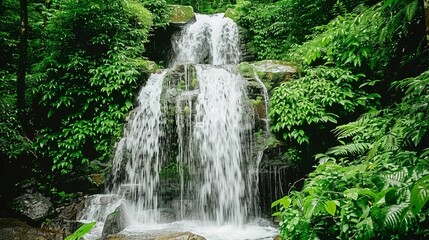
181, 14
231, 13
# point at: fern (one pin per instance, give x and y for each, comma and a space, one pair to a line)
396, 179
352, 148
396, 22
395, 215
348, 130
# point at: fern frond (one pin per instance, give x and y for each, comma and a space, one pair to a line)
348, 130
389, 142
410, 10
405, 157
352, 148
394, 216
397, 179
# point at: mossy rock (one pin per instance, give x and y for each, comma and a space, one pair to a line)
270, 72
246, 69
181, 14
270, 69
231, 13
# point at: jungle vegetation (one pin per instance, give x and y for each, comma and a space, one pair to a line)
357, 118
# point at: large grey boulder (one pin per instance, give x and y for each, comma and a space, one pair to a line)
67, 216
115, 221
32, 207
15, 229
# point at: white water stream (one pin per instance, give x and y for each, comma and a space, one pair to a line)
216, 166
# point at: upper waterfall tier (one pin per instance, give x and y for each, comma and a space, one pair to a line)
211, 39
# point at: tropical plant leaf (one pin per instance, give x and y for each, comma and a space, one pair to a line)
419, 194
397, 179
394, 215
80, 232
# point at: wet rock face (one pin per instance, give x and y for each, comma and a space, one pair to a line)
67, 217
15, 229
116, 221
167, 236
33, 207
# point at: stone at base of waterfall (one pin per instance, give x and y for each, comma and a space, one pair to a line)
66, 217
180, 236
33, 207
15, 229
168, 236
116, 221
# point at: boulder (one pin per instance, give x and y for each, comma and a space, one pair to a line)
15, 229
32, 207
67, 218
180, 236
274, 72
157, 236
270, 72
115, 221
180, 15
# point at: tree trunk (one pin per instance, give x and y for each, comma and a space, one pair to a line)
426, 16
22, 65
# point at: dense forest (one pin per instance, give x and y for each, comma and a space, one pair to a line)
355, 122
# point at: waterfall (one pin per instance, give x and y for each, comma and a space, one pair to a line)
187, 149
211, 39
137, 158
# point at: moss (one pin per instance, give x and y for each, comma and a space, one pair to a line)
146, 65
194, 83
181, 14
245, 69
231, 13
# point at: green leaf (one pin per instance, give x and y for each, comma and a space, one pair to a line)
284, 202
79, 233
388, 3
330, 207
128, 104
351, 193
419, 194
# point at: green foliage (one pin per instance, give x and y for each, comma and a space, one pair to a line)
160, 12
375, 183
203, 6
88, 77
322, 95
80, 232
12, 143
365, 41
9, 32
350, 40
272, 28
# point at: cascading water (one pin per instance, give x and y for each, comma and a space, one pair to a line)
196, 121
211, 39
140, 152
